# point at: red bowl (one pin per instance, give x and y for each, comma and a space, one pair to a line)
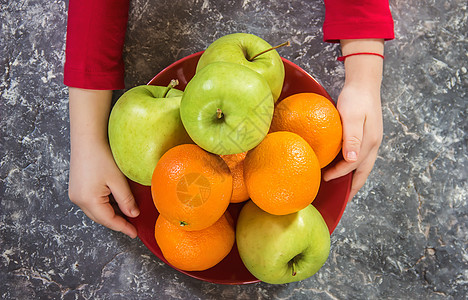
330, 201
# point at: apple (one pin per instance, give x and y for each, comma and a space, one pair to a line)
282, 249
251, 51
143, 124
227, 108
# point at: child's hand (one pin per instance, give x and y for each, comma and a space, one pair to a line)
94, 176
361, 117
360, 110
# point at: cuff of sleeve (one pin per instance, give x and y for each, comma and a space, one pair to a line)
93, 80
333, 33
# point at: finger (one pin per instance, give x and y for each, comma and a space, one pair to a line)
115, 206
122, 194
360, 175
340, 169
352, 193
105, 215
352, 139
356, 184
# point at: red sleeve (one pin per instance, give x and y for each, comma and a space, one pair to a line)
357, 19
95, 39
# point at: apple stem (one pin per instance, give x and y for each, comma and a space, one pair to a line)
272, 48
172, 84
219, 113
294, 268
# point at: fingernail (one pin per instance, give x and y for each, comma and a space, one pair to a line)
351, 155
135, 212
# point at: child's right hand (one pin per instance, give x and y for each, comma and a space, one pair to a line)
94, 176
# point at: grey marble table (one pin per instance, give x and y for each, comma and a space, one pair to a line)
403, 237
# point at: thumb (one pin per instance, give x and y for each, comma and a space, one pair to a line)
123, 196
352, 139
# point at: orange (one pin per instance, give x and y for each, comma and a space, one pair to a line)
235, 163
191, 187
282, 173
195, 250
315, 119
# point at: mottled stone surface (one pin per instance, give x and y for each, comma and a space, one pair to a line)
403, 237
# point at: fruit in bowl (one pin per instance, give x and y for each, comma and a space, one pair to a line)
314, 118
195, 250
330, 201
282, 249
227, 108
282, 174
250, 51
143, 124
191, 187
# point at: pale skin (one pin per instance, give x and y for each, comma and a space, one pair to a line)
95, 178
360, 111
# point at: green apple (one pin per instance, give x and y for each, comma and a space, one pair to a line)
227, 108
282, 249
143, 124
241, 48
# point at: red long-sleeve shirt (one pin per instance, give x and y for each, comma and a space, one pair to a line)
96, 34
